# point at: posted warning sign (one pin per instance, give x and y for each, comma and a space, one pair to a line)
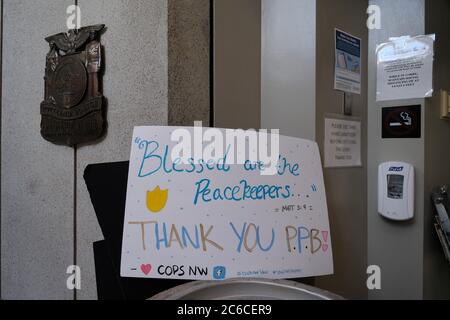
405, 68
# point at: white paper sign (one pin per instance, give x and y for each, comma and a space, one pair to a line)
347, 75
405, 68
342, 143
215, 221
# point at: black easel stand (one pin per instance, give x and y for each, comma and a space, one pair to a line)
107, 185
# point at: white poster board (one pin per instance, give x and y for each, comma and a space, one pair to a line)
405, 68
224, 221
342, 145
347, 74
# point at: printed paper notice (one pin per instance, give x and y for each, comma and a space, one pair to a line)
405, 68
348, 63
342, 143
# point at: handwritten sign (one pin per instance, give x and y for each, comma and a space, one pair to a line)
203, 220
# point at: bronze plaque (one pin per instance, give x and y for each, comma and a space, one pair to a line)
72, 111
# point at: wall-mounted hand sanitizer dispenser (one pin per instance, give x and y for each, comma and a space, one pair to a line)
396, 191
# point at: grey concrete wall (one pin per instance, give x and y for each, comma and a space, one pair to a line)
37, 180
396, 247
136, 86
346, 187
189, 63
237, 63
436, 271
48, 222
289, 67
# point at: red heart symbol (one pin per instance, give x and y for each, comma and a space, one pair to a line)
146, 268
325, 247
